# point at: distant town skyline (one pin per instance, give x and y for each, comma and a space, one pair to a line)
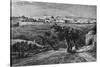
32, 9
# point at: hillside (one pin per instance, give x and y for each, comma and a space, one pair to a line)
55, 57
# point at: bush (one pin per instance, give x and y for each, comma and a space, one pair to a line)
71, 36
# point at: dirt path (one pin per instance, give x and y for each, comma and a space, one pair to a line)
58, 54
40, 56
87, 56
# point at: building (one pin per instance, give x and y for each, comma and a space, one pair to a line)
30, 23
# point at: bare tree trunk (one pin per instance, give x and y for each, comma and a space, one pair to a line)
65, 41
73, 45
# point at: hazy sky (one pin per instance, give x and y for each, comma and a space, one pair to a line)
27, 8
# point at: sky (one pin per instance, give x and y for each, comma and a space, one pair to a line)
32, 9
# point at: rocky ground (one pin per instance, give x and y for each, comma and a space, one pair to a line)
58, 57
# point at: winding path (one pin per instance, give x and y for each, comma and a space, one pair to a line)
49, 54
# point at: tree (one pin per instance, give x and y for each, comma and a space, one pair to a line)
67, 34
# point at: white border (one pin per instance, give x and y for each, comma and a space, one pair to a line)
5, 32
